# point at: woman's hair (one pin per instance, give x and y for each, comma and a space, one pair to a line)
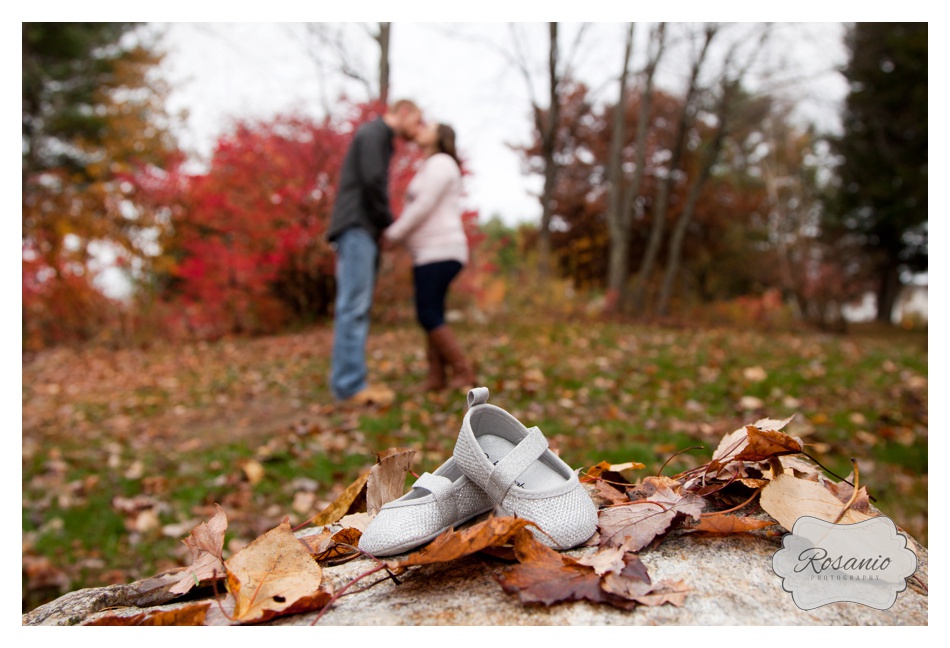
445, 141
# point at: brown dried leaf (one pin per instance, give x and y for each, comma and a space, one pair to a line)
608, 494
762, 444
493, 532
545, 576
607, 559
635, 525
730, 446
630, 582
666, 591
786, 499
336, 548
752, 483
206, 542
722, 523
189, 615
273, 576
387, 479
844, 490
253, 470
342, 504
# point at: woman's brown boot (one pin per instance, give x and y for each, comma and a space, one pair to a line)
463, 373
435, 381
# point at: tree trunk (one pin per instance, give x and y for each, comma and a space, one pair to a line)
666, 186
888, 290
548, 142
382, 37
619, 227
679, 230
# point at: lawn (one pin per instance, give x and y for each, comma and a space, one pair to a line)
124, 451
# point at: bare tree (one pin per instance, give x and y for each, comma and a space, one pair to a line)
725, 112
621, 203
661, 206
330, 44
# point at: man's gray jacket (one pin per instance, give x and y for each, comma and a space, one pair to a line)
362, 198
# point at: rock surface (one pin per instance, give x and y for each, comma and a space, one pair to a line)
730, 577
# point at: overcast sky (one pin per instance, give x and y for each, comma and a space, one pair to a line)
458, 73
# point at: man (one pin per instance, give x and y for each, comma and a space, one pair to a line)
360, 214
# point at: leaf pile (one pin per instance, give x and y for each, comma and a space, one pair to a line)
279, 574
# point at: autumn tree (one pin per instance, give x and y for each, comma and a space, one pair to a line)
92, 110
881, 201
736, 117
623, 191
671, 172
247, 248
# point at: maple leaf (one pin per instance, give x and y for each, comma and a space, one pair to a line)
547, 577
787, 498
189, 615
273, 576
387, 479
722, 523
633, 526
206, 542
493, 532
762, 444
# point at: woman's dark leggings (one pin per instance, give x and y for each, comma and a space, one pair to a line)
431, 282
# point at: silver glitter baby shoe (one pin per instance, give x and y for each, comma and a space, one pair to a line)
521, 475
437, 501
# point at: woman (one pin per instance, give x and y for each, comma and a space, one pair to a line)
431, 228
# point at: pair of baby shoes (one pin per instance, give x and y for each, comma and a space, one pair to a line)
499, 464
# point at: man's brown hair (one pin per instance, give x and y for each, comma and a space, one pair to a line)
402, 104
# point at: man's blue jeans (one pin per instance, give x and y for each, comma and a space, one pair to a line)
357, 254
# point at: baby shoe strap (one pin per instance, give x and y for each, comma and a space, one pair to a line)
477, 396
506, 471
442, 492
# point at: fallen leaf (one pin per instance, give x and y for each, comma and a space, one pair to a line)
358, 521
188, 615
762, 444
493, 532
336, 548
206, 542
722, 523
273, 576
773, 424
387, 479
608, 494
253, 470
342, 504
607, 559
786, 499
843, 491
547, 577
631, 581
666, 591
633, 526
